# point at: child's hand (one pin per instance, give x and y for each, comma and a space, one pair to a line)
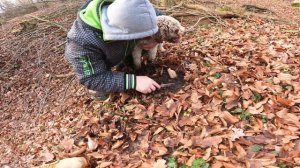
145, 85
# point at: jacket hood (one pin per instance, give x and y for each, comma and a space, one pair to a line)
128, 20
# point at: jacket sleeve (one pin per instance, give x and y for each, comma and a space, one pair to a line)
92, 71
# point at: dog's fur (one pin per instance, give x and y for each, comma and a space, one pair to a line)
169, 30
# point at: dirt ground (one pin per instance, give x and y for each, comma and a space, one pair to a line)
235, 103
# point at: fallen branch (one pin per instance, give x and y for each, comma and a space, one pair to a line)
198, 21
179, 14
174, 7
53, 23
197, 7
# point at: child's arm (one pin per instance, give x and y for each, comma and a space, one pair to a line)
93, 72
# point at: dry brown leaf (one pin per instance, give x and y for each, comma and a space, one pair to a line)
76, 162
94, 120
207, 154
190, 161
222, 158
162, 110
283, 101
105, 164
187, 121
229, 117
255, 110
286, 78
46, 156
150, 110
162, 150
172, 73
97, 155
194, 97
288, 117
67, 144
158, 131
145, 143
117, 144
297, 160
206, 142
229, 165
124, 97
241, 152
139, 113
217, 164
160, 163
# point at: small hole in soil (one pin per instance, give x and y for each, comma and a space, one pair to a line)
159, 73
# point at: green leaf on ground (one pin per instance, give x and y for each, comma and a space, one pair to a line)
256, 148
172, 163
256, 97
217, 75
199, 163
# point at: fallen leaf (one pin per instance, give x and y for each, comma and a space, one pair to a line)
172, 73
222, 158
237, 133
97, 155
117, 144
190, 161
46, 156
283, 101
158, 131
206, 142
105, 164
207, 154
241, 152
124, 97
145, 143
150, 110
94, 120
187, 121
229, 165
229, 117
160, 163
67, 144
162, 150
194, 97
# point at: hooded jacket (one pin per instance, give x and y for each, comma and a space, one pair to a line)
102, 36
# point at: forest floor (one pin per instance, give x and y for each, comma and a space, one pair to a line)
235, 102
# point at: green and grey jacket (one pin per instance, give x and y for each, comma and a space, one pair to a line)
92, 57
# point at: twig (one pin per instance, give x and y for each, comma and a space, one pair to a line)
166, 85
184, 14
53, 23
198, 21
64, 75
174, 7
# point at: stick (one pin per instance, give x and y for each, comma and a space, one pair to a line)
53, 23
166, 85
176, 6
193, 27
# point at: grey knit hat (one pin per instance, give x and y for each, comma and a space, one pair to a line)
128, 19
